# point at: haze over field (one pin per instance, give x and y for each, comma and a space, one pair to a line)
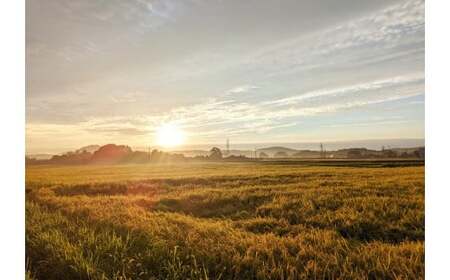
374, 144
254, 71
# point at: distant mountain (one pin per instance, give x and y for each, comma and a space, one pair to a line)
277, 151
286, 152
194, 153
373, 144
282, 152
114, 154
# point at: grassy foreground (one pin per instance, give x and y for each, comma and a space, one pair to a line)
225, 221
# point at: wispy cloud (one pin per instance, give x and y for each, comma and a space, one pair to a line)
368, 124
368, 39
214, 118
242, 89
130, 97
416, 79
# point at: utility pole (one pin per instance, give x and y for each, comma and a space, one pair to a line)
228, 146
321, 150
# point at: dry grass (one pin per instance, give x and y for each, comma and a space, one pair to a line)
225, 221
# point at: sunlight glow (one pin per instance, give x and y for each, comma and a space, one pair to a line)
170, 135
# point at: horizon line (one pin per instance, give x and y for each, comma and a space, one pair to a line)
185, 146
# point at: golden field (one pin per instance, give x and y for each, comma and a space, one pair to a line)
286, 220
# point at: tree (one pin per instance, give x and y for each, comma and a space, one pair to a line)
215, 154
420, 153
110, 153
354, 153
155, 156
263, 155
389, 154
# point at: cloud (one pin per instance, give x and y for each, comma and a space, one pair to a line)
242, 89
391, 32
130, 97
136, 75
208, 122
215, 117
413, 79
130, 131
368, 124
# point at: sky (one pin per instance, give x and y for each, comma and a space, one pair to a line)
115, 71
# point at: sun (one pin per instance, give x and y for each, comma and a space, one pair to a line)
170, 135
